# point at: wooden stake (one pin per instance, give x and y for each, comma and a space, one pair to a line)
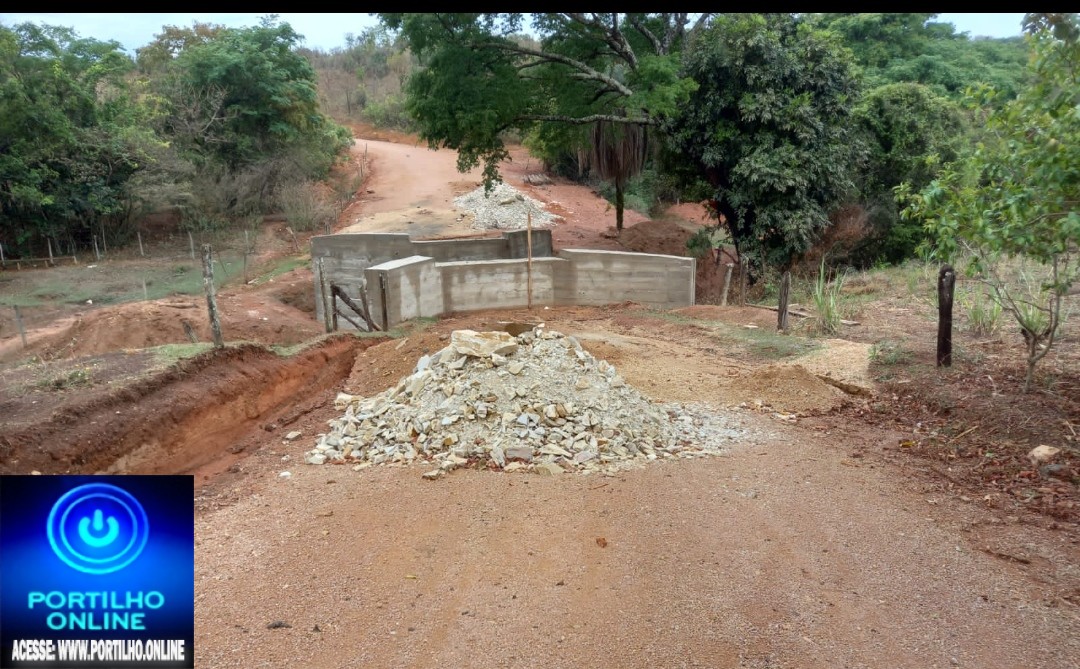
19, 324
211, 299
49, 243
3, 263
145, 294
104, 244
781, 310
139, 235
191, 240
727, 284
97, 255
743, 272
946, 286
327, 298
528, 266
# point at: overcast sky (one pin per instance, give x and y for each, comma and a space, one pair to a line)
326, 31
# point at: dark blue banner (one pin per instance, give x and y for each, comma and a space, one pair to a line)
97, 571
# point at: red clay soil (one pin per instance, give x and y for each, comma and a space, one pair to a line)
198, 415
668, 237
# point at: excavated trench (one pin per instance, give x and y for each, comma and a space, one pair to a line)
199, 416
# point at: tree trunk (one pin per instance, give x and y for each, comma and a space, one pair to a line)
618, 204
211, 298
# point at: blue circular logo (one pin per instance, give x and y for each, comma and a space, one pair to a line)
97, 528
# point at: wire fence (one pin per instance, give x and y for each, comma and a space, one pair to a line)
36, 292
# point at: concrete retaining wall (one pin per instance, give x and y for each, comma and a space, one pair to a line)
606, 277
344, 259
419, 286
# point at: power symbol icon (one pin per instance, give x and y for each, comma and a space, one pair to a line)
98, 525
97, 528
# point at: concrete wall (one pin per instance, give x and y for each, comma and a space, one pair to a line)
419, 286
606, 277
344, 259
499, 284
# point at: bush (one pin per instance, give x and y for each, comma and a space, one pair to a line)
306, 207
389, 112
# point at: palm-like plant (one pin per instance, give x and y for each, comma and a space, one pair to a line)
617, 152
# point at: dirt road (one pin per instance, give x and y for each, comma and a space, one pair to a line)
783, 554
810, 544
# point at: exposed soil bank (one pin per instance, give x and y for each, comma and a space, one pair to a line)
199, 415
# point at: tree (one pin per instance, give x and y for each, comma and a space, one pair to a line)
481, 79
171, 42
910, 47
768, 134
1017, 193
71, 135
910, 132
263, 91
617, 152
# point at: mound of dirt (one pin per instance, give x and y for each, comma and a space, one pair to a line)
144, 324
669, 238
787, 388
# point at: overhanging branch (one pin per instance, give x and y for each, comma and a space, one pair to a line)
582, 120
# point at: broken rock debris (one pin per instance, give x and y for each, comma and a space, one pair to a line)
537, 402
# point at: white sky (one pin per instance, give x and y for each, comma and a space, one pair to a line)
326, 31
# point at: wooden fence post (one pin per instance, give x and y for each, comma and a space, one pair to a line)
528, 266
139, 235
946, 284
97, 256
211, 299
727, 284
19, 324
191, 240
782, 309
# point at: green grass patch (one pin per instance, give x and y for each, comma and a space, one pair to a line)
761, 343
282, 266
169, 354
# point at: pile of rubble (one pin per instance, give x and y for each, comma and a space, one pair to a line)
504, 208
536, 402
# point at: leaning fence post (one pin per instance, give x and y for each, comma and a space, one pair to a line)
945, 286
211, 299
19, 324
727, 284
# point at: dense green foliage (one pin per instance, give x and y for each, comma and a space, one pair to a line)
769, 130
70, 133
217, 121
909, 132
893, 48
1016, 193
481, 78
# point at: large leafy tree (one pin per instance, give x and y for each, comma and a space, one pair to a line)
1017, 193
255, 96
70, 134
482, 78
768, 134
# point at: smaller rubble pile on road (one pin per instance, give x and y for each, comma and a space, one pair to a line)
505, 208
536, 402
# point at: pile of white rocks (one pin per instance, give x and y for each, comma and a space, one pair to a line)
537, 402
504, 208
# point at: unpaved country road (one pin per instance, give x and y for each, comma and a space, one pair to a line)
790, 552
781, 554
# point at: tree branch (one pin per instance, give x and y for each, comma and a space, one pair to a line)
585, 72
612, 35
658, 47
582, 120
